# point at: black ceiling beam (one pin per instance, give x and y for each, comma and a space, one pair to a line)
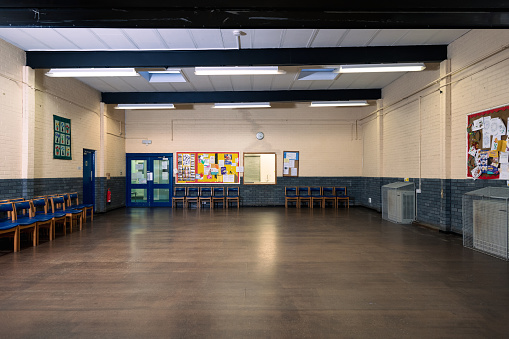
244, 57
239, 96
263, 14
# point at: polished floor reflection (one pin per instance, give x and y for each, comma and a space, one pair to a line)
252, 273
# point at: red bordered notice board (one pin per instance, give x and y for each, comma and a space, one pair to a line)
207, 167
488, 147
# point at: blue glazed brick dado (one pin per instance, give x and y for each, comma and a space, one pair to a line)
439, 204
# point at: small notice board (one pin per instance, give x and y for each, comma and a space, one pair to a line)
207, 167
290, 164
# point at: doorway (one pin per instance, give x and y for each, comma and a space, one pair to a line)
88, 177
149, 179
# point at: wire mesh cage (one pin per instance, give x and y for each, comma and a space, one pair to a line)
485, 221
398, 202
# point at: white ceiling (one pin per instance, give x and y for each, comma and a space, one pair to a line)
85, 39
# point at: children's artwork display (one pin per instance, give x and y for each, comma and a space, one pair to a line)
207, 167
290, 164
488, 149
61, 138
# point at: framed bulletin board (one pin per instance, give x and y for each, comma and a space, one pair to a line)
61, 138
290, 164
488, 151
207, 167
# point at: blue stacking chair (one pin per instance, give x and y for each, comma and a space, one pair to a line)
58, 205
218, 196
57, 217
341, 196
205, 196
232, 195
316, 195
304, 196
193, 194
328, 194
8, 227
179, 195
73, 203
29, 223
291, 195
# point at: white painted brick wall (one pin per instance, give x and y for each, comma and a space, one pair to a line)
480, 87
325, 137
71, 99
115, 141
11, 101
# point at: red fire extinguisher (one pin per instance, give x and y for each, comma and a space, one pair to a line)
108, 196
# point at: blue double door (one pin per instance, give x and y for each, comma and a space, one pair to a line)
149, 179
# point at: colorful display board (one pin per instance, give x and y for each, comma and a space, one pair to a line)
207, 167
61, 138
488, 149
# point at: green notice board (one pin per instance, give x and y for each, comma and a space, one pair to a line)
61, 138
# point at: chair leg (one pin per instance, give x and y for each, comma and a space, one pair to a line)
16, 240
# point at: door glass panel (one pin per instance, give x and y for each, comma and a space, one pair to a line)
161, 195
139, 172
161, 172
138, 195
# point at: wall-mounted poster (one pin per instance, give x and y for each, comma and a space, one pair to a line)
207, 167
61, 138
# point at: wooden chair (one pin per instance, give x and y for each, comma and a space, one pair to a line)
28, 223
232, 195
304, 196
328, 195
205, 196
56, 218
179, 195
193, 194
74, 203
9, 228
316, 195
218, 196
341, 196
58, 205
291, 195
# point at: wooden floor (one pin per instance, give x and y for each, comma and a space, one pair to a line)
252, 273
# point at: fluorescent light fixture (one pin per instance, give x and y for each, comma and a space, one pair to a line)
145, 106
91, 72
368, 68
169, 75
242, 105
250, 70
339, 103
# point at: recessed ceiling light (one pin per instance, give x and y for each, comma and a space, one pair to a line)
145, 106
369, 68
249, 70
91, 72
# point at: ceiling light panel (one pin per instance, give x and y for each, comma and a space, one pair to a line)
339, 103
91, 72
145, 106
242, 105
250, 70
372, 68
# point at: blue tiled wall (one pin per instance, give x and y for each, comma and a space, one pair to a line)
439, 204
